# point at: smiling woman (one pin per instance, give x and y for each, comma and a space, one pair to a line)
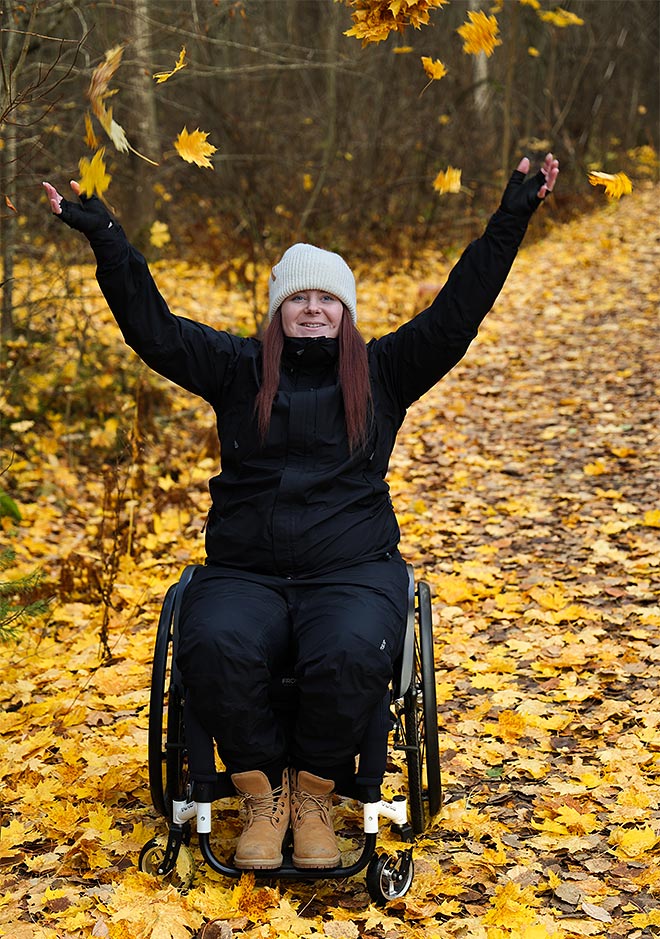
302, 568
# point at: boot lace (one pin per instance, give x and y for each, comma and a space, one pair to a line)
309, 804
267, 806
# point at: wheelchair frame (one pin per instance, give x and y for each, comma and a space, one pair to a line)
181, 800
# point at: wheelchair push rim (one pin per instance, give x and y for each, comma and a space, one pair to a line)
420, 718
166, 752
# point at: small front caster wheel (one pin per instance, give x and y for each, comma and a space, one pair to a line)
389, 878
151, 859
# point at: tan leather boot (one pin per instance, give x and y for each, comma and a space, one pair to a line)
266, 820
314, 841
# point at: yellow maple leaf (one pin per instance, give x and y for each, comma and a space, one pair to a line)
615, 185
633, 842
98, 93
452, 589
161, 77
159, 234
511, 725
480, 34
652, 518
13, 835
91, 139
94, 180
193, 148
550, 598
512, 907
644, 920
374, 20
597, 468
434, 68
560, 18
577, 822
448, 180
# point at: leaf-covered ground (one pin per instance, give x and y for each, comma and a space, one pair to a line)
527, 486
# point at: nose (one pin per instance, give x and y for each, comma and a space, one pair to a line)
313, 304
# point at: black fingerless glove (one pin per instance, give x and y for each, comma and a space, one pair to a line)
90, 217
520, 196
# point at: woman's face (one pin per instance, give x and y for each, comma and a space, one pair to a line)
312, 313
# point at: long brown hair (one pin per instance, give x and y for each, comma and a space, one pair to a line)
353, 378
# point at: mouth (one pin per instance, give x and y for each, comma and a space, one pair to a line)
312, 325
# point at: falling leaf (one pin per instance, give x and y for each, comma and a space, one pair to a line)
480, 34
533, 51
560, 18
98, 93
448, 180
91, 139
193, 148
93, 177
10, 204
180, 63
615, 186
374, 20
433, 67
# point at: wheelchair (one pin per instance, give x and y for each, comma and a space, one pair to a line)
184, 781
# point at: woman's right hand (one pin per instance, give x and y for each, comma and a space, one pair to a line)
88, 215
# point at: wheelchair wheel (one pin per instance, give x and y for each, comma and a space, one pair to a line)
166, 751
389, 878
152, 855
420, 717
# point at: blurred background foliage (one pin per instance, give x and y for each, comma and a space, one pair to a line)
318, 137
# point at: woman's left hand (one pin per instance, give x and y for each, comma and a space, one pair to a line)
522, 195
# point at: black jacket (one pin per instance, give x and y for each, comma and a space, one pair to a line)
302, 504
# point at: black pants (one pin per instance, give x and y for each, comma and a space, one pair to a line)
341, 631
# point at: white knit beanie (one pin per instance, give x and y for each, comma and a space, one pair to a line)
304, 267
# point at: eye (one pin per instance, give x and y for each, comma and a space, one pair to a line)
328, 298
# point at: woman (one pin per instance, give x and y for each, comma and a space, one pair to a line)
301, 540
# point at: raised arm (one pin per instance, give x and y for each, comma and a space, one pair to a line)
416, 356
190, 354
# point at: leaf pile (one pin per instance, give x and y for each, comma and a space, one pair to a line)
527, 485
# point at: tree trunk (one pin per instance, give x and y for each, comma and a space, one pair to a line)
482, 93
8, 229
8, 54
142, 198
